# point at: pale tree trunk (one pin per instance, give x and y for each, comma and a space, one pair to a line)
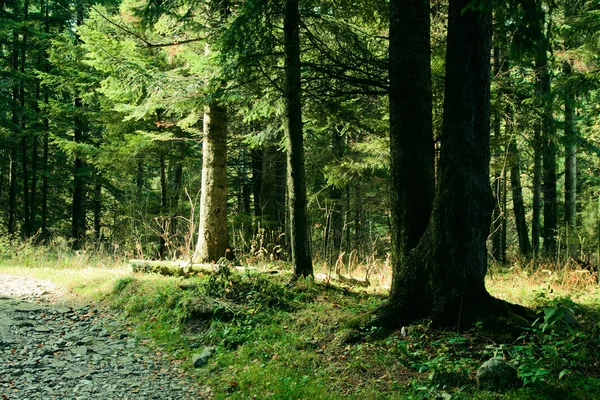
213, 240
299, 232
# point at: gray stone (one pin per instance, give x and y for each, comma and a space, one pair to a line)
200, 360
28, 307
496, 375
81, 350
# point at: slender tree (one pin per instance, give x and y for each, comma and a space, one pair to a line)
300, 245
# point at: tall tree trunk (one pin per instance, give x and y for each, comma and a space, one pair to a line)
213, 240
176, 183
80, 169
46, 130
517, 196
300, 241
45, 173
139, 178
79, 175
12, 194
497, 216
411, 129
443, 278
257, 173
98, 207
549, 167
570, 163
335, 223
162, 246
26, 229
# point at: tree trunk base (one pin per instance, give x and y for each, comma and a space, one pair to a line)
493, 313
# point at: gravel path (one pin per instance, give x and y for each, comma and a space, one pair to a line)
52, 351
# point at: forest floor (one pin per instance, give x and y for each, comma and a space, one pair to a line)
275, 341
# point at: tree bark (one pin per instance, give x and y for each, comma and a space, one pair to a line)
12, 194
272, 192
162, 245
300, 241
443, 278
79, 175
411, 129
335, 222
213, 240
98, 207
517, 196
570, 160
80, 169
26, 228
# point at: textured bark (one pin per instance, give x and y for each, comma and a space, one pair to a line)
98, 207
26, 228
335, 223
257, 173
570, 161
517, 196
443, 278
411, 130
498, 216
549, 169
12, 193
213, 241
176, 184
46, 130
272, 191
299, 232
79, 174
162, 245
78, 225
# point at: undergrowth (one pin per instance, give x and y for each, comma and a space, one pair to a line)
278, 341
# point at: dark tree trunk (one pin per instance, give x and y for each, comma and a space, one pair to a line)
497, 217
335, 222
46, 130
257, 172
272, 191
517, 195
98, 207
79, 175
300, 241
537, 189
139, 178
411, 129
162, 245
443, 278
26, 229
549, 169
80, 169
12, 194
45, 174
570, 162
176, 184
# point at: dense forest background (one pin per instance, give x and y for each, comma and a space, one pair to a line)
124, 123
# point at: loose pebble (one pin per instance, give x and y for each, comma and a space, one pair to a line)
49, 350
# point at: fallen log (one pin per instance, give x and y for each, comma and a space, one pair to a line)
186, 268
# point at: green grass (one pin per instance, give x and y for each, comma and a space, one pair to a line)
281, 342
